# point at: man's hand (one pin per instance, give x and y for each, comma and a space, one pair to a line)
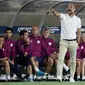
0, 46
12, 61
54, 56
78, 41
27, 41
51, 10
4, 59
56, 13
78, 35
25, 54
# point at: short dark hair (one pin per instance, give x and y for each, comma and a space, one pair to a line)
9, 28
22, 32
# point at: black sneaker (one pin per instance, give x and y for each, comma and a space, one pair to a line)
78, 79
68, 72
65, 78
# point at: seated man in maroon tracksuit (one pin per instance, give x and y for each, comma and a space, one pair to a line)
81, 58
82, 54
20, 48
3, 57
25, 54
36, 46
50, 51
10, 44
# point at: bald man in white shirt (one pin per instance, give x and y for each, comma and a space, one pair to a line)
70, 37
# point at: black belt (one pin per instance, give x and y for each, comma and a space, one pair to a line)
70, 39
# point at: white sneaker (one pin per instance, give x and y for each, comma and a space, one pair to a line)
3, 77
83, 78
30, 79
14, 77
44, 77
59, 79
72, 80
35, 77
8, 78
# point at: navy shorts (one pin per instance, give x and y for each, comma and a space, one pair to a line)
40, 60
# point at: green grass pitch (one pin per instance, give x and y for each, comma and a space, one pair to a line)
42, 83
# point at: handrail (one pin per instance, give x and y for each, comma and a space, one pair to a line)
15, 17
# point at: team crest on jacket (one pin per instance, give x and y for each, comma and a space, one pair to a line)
31, 41
38, 41
82, 47
3, 49
49, 43
11, 45
22, 46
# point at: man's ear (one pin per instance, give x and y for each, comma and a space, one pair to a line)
21, 36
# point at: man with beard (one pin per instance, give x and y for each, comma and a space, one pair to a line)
70, 24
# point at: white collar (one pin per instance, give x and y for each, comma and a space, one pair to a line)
71, 16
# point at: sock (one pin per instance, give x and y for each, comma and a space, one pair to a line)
65, 67
78, 77
36, 69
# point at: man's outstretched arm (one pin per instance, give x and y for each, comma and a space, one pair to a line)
56, 13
